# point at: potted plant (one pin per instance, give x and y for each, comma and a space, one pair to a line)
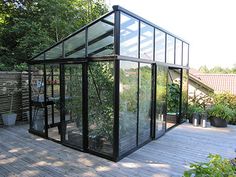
220, 114
194, 113
9, 89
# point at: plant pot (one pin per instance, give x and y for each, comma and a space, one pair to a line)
9, 119
218, 122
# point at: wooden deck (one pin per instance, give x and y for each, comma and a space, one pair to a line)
23, 154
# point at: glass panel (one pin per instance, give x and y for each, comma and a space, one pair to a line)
159, 46
161, 88
37, 98
75, 46
173, 98
178, 52
40, 57
184, 94
146, 42
101, 37
100, 106
128, 106
128, 36
185, 54
55, 52
145, 90
170, 50
53, 98
73, 105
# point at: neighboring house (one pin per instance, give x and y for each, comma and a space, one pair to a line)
196, 86
220, 82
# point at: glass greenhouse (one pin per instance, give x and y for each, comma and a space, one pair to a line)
110, 87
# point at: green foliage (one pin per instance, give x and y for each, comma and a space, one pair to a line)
28, 27
100, 99
227, 99
173, 97
221, 111
218, 70
194, 108
217, 167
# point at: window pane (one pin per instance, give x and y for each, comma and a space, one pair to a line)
40, 57
75, 46
184, 94
100, 107
55, 52
145, 90
159, 46
146, 42
170, 50
185, 54
37, 98
128, 105
128, 36
161, 88
178, 52
101, 37
73, 105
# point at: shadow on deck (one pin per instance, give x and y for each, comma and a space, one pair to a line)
23, 154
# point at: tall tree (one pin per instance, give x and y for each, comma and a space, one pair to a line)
28, 26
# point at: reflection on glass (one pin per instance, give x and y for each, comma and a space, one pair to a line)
159, 46
128, 36
101, 37
128, 105
37, 98
100, 107
173, 98
184, 94
53, 98
146, 42
178, 52
185, 54
75, 46
55, 52
161, 88
145, 90
40, 57
73, 105
170, 49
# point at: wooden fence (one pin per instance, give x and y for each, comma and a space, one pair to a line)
14, 90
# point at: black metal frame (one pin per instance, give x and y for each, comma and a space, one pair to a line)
116, 58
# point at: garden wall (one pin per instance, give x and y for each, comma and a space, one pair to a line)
15, 83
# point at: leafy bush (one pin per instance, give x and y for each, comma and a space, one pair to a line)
194, 108
227, 99
217, 167
221, 111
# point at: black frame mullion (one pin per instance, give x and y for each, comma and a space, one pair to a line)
85, 105
30, 96
138, 85
62, 102
180, 97
116, 139
52, 92
45, 100
153, 108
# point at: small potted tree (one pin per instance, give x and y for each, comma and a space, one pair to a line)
10, 89
194, 113
220, 114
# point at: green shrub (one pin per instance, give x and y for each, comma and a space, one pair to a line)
194, 108
216, 167
221, 111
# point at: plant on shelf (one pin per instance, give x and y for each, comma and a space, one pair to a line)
10, 89
220, 114
217, 166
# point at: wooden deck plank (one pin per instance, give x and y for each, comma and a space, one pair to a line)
23, 154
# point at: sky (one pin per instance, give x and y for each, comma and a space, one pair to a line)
209, 26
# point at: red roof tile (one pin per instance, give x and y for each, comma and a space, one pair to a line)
219, 82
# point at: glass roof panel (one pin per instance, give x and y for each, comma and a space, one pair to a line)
40, 57
75, 46
101, 36
55, 52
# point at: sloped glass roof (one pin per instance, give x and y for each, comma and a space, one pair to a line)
136, 36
